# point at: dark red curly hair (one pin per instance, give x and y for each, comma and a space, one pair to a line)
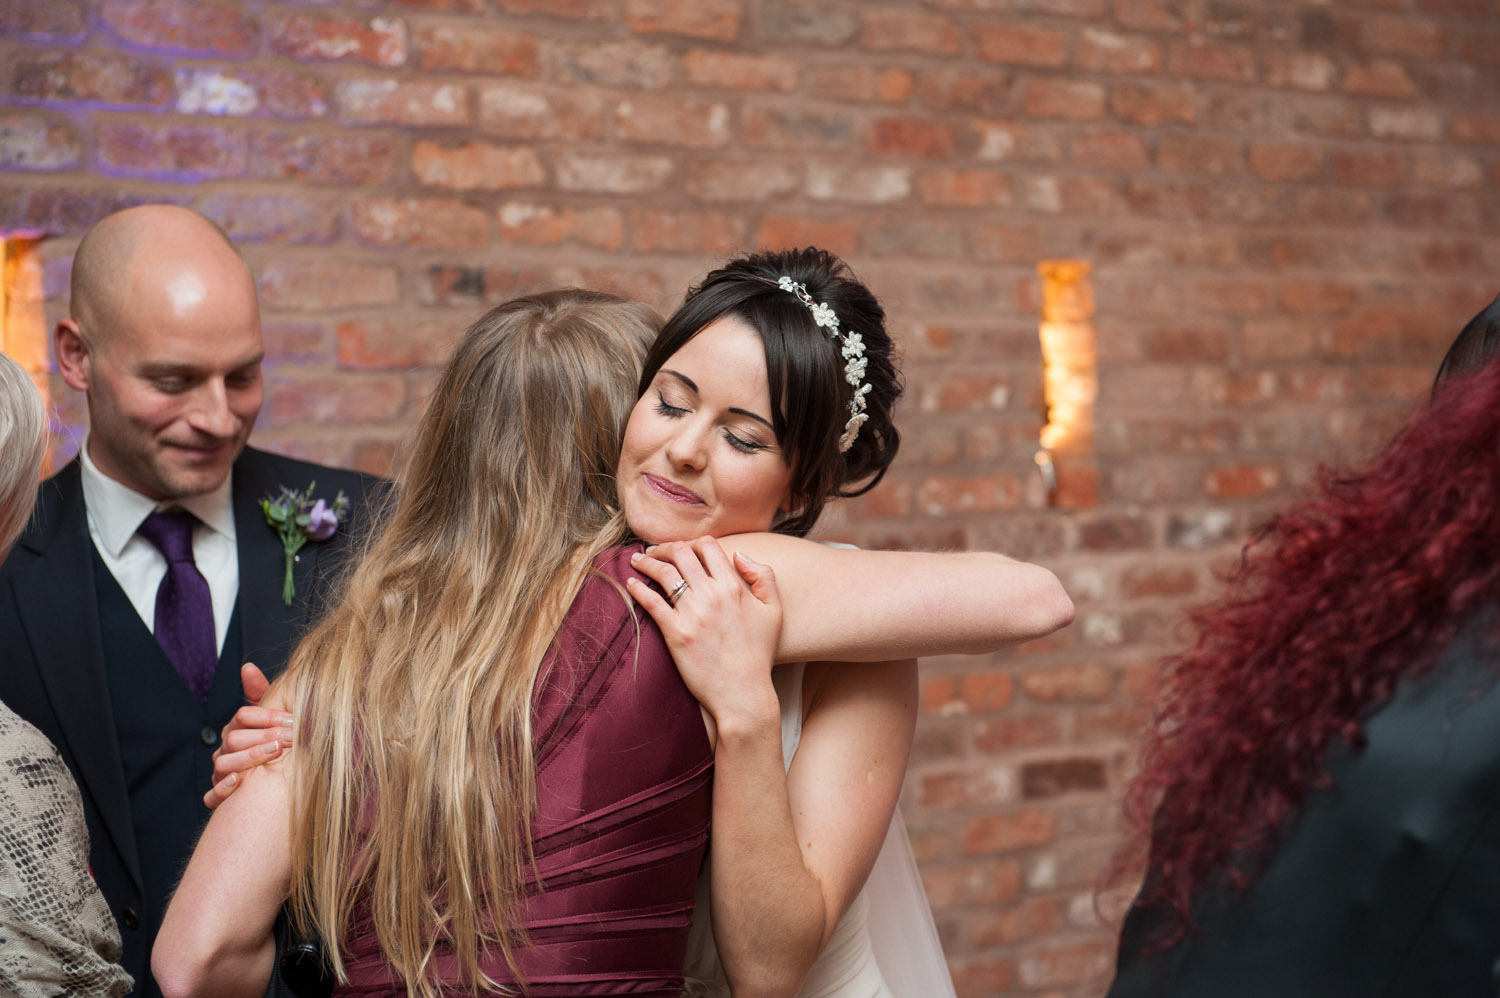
1333, 603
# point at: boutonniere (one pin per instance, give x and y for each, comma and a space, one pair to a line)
297, 519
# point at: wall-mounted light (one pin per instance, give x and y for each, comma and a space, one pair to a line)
1070, 366
23, 320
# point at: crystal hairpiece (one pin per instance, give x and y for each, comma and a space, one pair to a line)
851, 348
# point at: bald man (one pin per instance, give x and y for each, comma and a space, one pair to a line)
150, 540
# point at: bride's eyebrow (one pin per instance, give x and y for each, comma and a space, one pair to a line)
754, 416
691, 384
693, 387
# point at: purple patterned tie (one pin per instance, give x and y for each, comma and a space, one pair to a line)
184, 606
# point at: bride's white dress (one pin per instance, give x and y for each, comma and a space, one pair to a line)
886, 945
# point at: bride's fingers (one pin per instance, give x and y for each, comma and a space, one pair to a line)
239, 739
227, 763
220, 791
260, 720
711, 554
686, 559
254, 682
702, 564
762, 579
652, 602
657, 569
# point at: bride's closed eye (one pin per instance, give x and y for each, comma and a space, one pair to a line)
665, 408
740, 444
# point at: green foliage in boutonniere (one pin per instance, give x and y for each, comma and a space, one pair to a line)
297, 519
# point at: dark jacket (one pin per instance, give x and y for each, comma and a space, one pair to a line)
54, 673
1385, 884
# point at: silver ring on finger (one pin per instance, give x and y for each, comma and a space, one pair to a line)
677, 591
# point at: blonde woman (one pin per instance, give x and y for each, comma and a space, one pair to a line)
58, 935
460, 738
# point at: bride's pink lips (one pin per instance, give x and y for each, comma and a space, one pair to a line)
672, 492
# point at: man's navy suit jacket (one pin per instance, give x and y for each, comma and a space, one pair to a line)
52, 672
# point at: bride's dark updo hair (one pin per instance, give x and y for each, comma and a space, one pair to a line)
804, 367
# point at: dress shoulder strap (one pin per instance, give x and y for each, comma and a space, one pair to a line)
788, 682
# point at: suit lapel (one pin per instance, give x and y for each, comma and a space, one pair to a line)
59, 610
267, 623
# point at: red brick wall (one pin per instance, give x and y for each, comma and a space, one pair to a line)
1289, 208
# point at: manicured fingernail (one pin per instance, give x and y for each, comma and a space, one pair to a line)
287, 722
635, 556
232, 779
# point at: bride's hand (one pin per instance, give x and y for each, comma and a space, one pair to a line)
722, 627
253, 737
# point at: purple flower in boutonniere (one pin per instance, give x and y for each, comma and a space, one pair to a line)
322, 521
297, 519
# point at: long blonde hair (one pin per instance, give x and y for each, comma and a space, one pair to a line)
414, 775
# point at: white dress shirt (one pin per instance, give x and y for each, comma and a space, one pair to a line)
115, 512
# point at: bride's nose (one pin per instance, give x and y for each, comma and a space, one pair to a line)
688, 448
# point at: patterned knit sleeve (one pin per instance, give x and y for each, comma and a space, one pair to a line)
56, 933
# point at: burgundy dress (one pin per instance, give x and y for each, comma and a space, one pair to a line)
623, 778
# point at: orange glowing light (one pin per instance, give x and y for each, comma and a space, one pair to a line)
1070, 357
23, 320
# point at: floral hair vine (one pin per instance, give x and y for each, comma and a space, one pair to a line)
852, 349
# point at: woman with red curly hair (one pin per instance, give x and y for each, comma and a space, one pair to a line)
1321, 780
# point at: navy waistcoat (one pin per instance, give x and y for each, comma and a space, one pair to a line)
166, 741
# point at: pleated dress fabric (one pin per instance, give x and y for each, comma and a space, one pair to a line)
623, 773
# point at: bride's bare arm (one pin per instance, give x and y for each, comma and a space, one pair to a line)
839, 604
791, 850
873, 606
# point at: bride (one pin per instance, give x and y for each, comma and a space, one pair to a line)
768, 393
